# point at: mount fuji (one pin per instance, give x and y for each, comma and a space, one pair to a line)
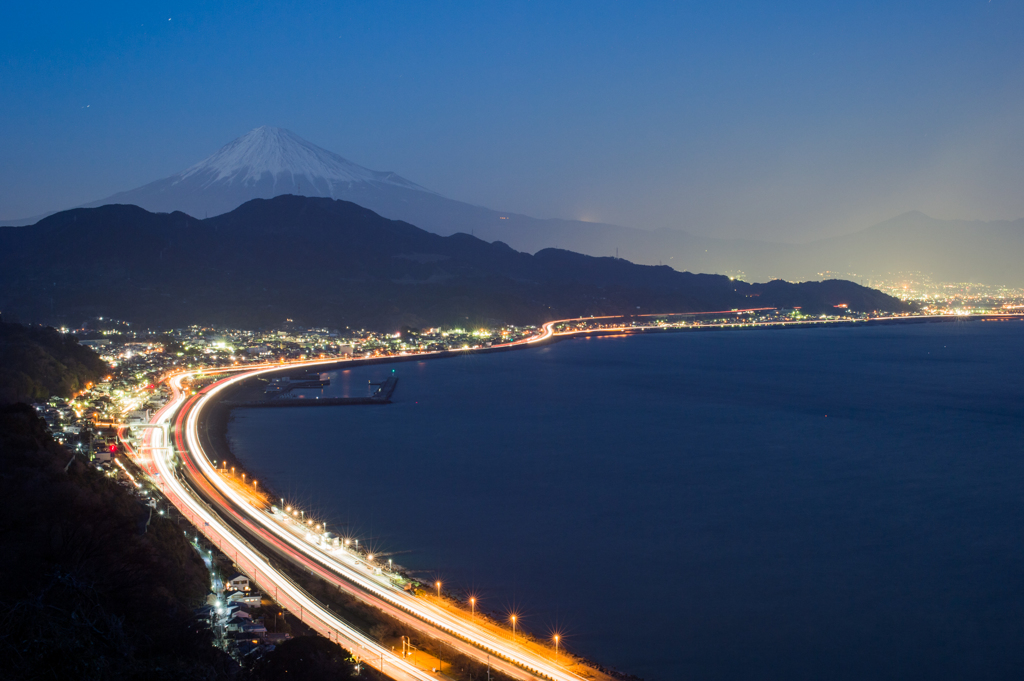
264, 163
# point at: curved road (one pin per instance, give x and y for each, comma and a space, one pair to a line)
216, 508
217, 503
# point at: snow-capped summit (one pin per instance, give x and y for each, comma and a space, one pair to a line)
283, 155
264, 163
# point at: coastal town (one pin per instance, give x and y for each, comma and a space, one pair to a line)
101, 423
141, 359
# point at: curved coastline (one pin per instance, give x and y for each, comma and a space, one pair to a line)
525, 654
224, 413
218, 412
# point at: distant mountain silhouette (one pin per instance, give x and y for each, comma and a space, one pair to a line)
948, 250
263, 163
268, 162
333, 262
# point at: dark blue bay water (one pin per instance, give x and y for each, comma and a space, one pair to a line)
821, 503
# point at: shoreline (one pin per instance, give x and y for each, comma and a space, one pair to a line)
372, 618
220, 412
223, 411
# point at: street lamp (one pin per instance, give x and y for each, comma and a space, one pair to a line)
513, 618
438, 585
472, 605
557, 638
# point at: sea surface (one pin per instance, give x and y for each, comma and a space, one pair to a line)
842, 503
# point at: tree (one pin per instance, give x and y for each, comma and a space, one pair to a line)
310, 658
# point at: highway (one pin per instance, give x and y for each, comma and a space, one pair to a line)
157, 460
344, 568
216, 508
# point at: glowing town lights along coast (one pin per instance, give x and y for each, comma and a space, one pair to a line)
471, 639
338, 566
158, 464
436, 616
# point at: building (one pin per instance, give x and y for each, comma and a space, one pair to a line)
238, 583
247, 597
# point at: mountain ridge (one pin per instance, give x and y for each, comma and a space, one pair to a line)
268, 162
334, 262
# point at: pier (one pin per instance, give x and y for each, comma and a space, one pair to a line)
382, 395
286, 384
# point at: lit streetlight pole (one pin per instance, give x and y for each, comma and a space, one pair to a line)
513, 618
438, 585
472, 605
557, 638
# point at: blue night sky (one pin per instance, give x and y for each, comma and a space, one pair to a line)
774, 120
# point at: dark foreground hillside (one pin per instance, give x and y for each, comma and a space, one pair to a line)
327, 262
87, 595
38, 362
92, 593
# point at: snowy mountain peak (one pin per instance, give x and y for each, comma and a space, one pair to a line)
282, 157
268, 162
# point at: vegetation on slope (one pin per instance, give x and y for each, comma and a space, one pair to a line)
37, 362
92, 593
89, 592
333, 263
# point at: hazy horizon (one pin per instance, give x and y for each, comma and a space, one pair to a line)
778, 124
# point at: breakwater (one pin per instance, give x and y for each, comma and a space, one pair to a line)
382, 395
